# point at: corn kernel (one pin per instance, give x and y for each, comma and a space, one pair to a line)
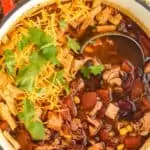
123, 131
129, 128
111, 134
77, 100
120, 147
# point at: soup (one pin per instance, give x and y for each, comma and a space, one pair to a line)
55, 97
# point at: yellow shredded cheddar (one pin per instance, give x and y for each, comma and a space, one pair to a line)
48, 22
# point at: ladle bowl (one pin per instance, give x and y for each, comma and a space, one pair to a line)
127, 47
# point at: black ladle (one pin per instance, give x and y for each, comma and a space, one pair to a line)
127, 47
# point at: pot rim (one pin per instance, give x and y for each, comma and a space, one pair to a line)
5, 18
25, 7
20, 11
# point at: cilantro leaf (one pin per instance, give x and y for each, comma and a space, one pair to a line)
58, 78
45, 43
37, 59
10, 61
38, 37
74, 45
85, 71
50, 53
28, 112
96, 70
63, 24
54, 61
46, 52
23, 42
26, 77
35, 128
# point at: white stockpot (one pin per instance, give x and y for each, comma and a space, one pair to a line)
132, 8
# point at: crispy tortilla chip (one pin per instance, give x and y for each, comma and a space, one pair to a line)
5, 115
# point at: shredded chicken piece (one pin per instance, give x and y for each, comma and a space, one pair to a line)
93, 122
77, 64
147, 68
5, 114
113, 73
55, 121
75, 124
146, 121
96, 108
115, 81
93, 130
76, 86
11, 140
112, 76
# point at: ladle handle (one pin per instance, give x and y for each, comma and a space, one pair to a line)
147, 59
7, 6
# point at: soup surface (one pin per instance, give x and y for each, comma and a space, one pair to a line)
55, 97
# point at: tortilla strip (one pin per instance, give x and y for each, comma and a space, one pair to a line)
4, 143
5, 114
11, 140
106, 28
104, 15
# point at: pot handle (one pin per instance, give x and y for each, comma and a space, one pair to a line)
7, 6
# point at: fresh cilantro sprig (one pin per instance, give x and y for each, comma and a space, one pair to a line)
39, 38
46, 51
10, 61
73, 45
26, 76
50, 54
45, 43
95, 70
23, 42
35, 128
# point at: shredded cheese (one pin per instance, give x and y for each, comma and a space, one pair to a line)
48, 22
